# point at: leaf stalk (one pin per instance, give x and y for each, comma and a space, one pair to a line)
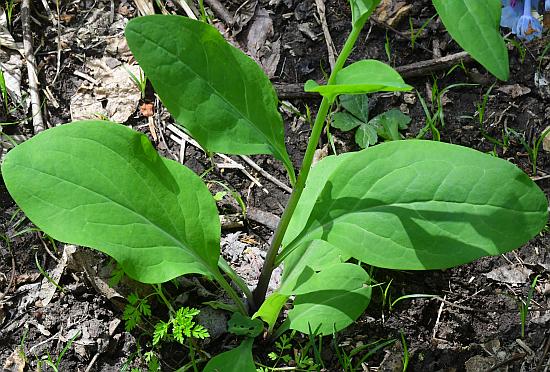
269, 264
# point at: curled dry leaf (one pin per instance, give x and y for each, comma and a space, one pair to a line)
511, 274
514, 90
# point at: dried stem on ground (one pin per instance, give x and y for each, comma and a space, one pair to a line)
37, 121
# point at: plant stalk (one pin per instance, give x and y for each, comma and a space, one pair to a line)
269, 263
230, 291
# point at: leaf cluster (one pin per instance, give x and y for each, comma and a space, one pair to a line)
386, 125
135, 311
179, 327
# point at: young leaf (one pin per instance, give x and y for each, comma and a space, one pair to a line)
366, 135
312, 255
330, 300
389, 123
218, 93
474, 25
104, 186
345, 121
361, 10
418, 205
357, 105
270, 309
237, 360
361, 77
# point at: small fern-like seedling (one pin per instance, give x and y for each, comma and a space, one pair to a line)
135, 311
181, 326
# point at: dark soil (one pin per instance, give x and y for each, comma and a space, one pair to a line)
473, 324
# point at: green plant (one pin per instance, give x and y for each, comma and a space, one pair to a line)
415, 34
522, 49
387, 48
410, 204
405, 352
9, 5
353, 360
134, 312
435, 116
54, 364
3, 90
140, 82
285, 353
179, 327
386, 125
524, 306
474, 25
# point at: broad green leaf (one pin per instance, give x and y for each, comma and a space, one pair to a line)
389, 123
344, 121
237, 360
312, 255
270, 309
317, 176
361, 77
241, 325
357, 105
103, 185
474, 25
344, 298
366, 135
218, 93
361, 10
418, 205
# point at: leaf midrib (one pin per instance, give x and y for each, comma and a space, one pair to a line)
306, 237
178, 243
278, 153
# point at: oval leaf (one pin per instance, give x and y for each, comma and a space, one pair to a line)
361, 77
103, 185
312, 255
218, 93
474, 25
330, 300
418, 205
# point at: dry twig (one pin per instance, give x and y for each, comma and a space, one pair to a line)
331, 49
221, 11
37, 121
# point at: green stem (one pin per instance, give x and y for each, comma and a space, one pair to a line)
230, 291
160, 292
267, 269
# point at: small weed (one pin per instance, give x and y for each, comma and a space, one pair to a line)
55, 364
522, 50
135, 311
286, 354
140, 82
415, 34
387, 48
436, 117
9, 5
405, 352
45, 274
524, 306
386, 125
352, 362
